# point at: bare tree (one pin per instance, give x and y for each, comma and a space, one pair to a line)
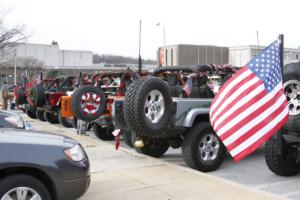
29, 62
9, 36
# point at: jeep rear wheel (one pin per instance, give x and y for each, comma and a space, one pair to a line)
280, 164
147, 106
202, 149
66, 122
52, 118
40, 115
103, 133
152, 147
31, 113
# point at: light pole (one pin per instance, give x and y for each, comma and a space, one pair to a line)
15, 72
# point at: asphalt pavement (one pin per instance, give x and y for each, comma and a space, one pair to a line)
125, 174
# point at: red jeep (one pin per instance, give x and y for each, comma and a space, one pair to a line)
52, 108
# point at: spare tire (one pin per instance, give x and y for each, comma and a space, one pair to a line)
88, 102
147, 106
20, 96
291, 84
39, 98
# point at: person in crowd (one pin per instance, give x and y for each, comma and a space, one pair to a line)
5, 95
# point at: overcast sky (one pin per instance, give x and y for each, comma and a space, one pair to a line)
112, 26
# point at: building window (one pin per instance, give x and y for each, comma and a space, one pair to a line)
297, 56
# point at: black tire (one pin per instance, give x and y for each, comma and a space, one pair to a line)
126, 135
39, 99
152, 89
74, 122
103, 133
31, 113
291, 79
66, 122
51, 118
77, 99
14, 181
280, 164
20, 96
152, 147
194, 141
40, 115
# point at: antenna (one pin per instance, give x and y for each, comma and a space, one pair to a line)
140, 59
257, 37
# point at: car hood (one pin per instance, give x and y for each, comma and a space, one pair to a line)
34, 137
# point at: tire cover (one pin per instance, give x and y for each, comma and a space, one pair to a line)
88, 102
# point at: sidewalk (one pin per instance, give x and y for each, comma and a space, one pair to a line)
127, 175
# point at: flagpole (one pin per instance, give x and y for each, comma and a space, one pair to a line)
278, 135
281, 50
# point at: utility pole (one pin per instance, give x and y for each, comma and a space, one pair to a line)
15, 66
257, 38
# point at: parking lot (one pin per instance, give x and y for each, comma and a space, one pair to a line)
124, 174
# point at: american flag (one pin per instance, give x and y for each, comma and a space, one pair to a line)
251, 106
187, 89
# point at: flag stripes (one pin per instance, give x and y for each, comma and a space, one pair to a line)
241, 74
260, 137
239, 90
248, 112
238, 108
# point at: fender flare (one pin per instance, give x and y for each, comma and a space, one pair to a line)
189, 119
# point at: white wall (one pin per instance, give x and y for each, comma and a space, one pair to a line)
48, 54
52, 57
241, 55
70, 58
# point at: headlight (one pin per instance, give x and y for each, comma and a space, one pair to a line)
76, 153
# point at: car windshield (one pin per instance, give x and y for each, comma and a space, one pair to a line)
10, 120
